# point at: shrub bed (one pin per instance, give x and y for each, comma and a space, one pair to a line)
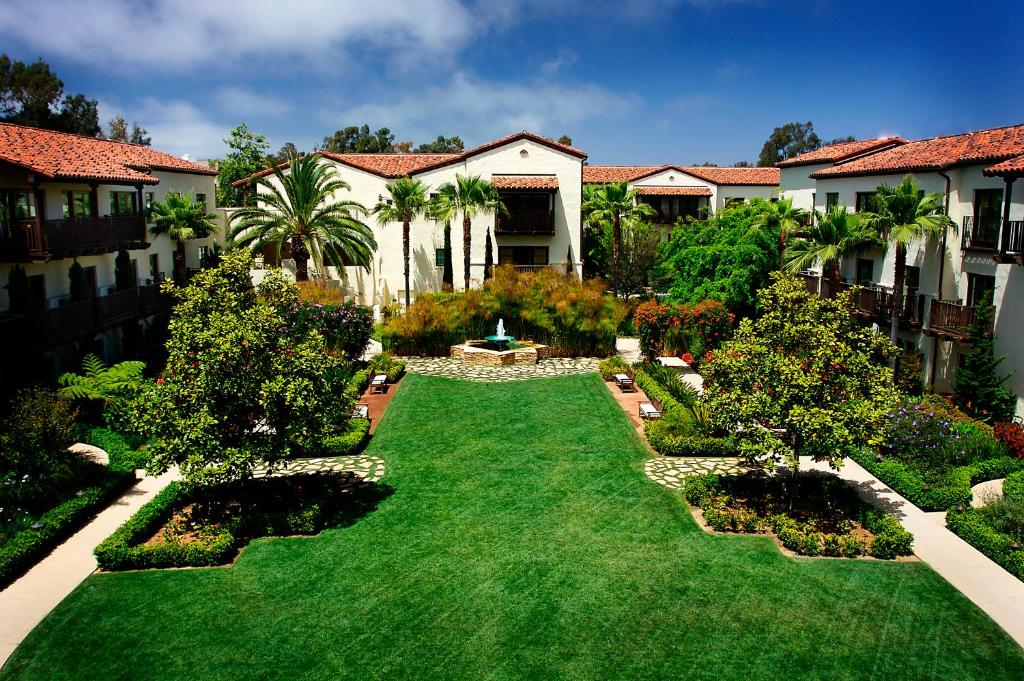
973, 527
346, 327
122, 456
351, 442
188, 526
1013, 485
25, 548
384, 363
611, 366
677, 433
827, 518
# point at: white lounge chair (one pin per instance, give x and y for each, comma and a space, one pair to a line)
379, 383
362, 411
651, 410
625, 382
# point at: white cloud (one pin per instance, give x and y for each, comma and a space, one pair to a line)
565, 59
480, 110
243, 102
187, 33
178, 127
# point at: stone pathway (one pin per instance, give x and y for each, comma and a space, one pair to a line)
370, 468
670, 471
456, 368
27, 601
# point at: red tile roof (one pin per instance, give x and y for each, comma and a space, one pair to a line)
673, 191
729, 175
1014, 166
59, 155
833, 153
525, 182
937, 153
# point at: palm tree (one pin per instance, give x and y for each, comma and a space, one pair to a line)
298, 207
182, 219
834, 235
905, 214
408, 201
779, 216
614, 203
470, 195
441, 209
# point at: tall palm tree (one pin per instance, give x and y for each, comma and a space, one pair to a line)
834, 235
904, 214
182, 219
408, 201
441, 209
470, 195
298, 207
782, 217
614, 203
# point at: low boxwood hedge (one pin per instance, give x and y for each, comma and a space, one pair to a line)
122, 456
26, 547
970, 525
352, 442
1013, 485
957, 488
611, 366
678, 445
655, 390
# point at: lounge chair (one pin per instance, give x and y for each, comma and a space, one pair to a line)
379, 384
651, 410
362, 411
625, 382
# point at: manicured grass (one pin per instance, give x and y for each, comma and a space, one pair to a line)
522, 540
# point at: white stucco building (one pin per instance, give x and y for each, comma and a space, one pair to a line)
946, 278
67, 198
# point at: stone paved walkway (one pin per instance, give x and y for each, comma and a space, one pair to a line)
370, 468
670, 471
456, 368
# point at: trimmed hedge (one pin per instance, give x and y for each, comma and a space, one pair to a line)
970, 526
678, 445
26, 547
956, 491
1013, 485
656, 391
611, 366
358, 383
122, 456
351, 442
384, 363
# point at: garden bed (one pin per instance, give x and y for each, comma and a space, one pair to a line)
186, 526
824, 517
997, 529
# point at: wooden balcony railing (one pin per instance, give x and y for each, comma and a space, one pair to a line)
951, 320
877, 304
980, 235
810, 280
525, 221
1011, 243
71, 237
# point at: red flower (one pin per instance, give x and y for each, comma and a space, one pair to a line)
159, 381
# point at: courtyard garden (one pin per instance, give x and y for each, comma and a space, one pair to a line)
531, 547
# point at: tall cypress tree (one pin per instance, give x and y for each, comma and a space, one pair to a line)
448, 276
980, 391
488, 257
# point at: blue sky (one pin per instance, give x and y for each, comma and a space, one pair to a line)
665, 81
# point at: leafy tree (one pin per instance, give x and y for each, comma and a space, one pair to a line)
408, 202
721, 258
641, 246
182, 219
442, 209
442, 145
470, 195
613, 204
742, 164
30, 94
566, 140
840, 140
359, 140
787, 141
140, 135
488, 257
980, 390
117, 129
779, 217
100, 383
240, 389
834, 235
79, 115
297, 207
905, 214
804, 379
287, 150
246, 157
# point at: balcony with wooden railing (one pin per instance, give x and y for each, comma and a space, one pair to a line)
949, 320
979, 234
1011, 243
27, 240
526, 222
876, 304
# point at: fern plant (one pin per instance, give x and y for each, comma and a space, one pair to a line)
98, 382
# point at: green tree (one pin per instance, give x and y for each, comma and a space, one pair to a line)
787, 141
980, 390
355, 139
781, 218
139, 135
117, 129
442, 145
488, 256
641, 246
79, 115
803, 379
469, 196
100, 383
441, 209
834, 235
182, 219
240, 389
613, 204
408, 202
297, 207
904, 215
245, 158
566, 140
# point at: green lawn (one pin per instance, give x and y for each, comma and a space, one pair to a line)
522, 540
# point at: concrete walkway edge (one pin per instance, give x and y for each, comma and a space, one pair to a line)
31, 597
986, 584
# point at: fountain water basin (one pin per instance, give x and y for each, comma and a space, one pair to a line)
500, 350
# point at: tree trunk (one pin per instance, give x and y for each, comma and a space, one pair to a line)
899, 274
405, 255
179, 262
466, 238
301, 257
782, 248
833, 278
616, 250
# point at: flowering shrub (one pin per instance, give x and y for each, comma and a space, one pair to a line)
690, 329
1012, 436
346, 328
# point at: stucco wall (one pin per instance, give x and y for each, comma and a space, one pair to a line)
795, 185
